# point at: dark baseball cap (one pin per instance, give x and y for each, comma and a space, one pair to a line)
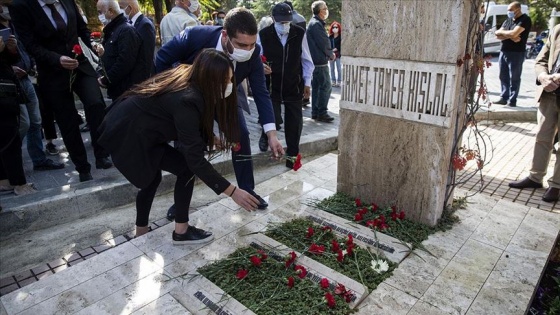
282, 13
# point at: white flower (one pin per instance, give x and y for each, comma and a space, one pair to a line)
344, 252
379, 265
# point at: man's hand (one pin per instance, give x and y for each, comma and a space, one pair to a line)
98, 49
548, 82
20, 73
68, 63
275, 146
516, 39
332, 57
267, 69
11, 45
306, 92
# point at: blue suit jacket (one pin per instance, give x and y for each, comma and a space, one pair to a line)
147, 32
184, 47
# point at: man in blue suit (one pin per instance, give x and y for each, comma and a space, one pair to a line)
238, 39
145, 29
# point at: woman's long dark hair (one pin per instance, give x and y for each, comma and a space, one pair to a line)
209, 74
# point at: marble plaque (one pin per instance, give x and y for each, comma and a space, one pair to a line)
200, 296
415, 91
389, 246
315, 270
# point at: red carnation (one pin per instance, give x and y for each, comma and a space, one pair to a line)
374, 207
358, 202
401, 215
363, 211
324, 283
291, 258
340, 256
358, 217
340, 289
394, 208
263, 254
317, 249
236, 147
382, 218
310, 232
291, 282
297, 163
335, 246
300, 271
256, 261
350, 248
330, 300
95, 34
350, 240
394, 216
77, 49
263, 58
242, 273
326, 228
370, 223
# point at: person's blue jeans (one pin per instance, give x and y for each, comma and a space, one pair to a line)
320, 91
30, 123
335, 65
511, 65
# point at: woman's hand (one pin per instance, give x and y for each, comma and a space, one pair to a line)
244, 199
218, 144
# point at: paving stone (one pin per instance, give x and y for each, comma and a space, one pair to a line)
387, 300
23, 275
60, 268
86, 252
7, 281
40, 269
72, 257
58, 262
102, 248
7, 289
162, 222
75, 262
27, 281
44, 274
118, 240
165, 305
91, 256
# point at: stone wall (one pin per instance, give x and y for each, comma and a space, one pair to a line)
401, 99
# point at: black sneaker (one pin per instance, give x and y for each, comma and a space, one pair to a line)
501, 101
192, 236
262, 204
51, 149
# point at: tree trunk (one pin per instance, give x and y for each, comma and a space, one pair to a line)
158, 10
169, 5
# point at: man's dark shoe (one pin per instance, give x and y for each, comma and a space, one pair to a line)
103, 163
289, 164
313, 116
48, 165
171, 213
551, 194
525, 183
325, 118
501, 101
511, 104
263, 142
51, 149
192, 236
262, 204
84, 177
305, 102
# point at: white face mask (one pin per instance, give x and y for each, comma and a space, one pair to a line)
282, 28
5, 13
103, 19
335, 30
240, 55
229, 89
194, 6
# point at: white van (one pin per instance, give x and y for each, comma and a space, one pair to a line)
496, 15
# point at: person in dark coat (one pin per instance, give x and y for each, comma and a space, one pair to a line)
12, 176
122, 60
49, 30
178, 105
145, 29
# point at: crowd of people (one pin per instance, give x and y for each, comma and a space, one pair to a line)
168, 106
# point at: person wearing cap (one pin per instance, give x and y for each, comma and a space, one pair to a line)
178, 19
321, 52
287, 52
297, 18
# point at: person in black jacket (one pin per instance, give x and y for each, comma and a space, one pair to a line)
145, 29
335, 32
49, 30
285, 47
122, 61
12, 176
181, 105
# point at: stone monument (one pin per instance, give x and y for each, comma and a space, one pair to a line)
403, 98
